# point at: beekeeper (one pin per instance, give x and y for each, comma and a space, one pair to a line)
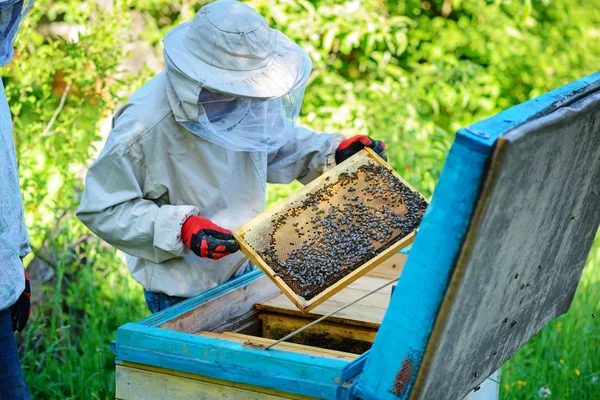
14, 243
189, 155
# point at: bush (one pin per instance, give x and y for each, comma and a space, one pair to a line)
408, 72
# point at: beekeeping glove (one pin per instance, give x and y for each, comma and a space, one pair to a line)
353, 145
207, 239
21, 310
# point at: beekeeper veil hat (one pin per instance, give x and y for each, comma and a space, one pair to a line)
238, 83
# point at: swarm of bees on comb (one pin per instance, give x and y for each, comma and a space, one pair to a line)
335, 229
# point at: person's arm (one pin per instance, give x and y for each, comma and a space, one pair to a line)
304, 157
24, 247
114, 208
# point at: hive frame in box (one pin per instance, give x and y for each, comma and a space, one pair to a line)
307, 305
417, 353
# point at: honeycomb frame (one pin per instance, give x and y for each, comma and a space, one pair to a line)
255, 236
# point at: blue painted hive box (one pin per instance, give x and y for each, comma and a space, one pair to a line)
499, 254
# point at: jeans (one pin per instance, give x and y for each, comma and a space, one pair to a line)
159, 301
12, 384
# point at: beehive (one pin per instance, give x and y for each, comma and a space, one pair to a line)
334, 230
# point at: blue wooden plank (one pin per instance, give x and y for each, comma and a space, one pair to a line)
395, 357
355, 367
405, 328
345, 393
187, 305
360, 392
277, 369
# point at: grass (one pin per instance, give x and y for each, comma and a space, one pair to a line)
66, 352
565, 355
67, 342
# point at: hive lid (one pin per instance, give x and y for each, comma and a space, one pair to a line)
334, 230
500, 251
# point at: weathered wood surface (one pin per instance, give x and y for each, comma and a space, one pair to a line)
367, 313
525, 250
293, 347
223, 310
143, 382
282, 370
396, 357
488, 390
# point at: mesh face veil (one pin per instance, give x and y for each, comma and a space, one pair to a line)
11, 14
247, 124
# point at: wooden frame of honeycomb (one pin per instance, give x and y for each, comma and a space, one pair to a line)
335, 229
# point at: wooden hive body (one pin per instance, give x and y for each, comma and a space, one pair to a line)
499, 254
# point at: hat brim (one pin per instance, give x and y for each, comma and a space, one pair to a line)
288, 68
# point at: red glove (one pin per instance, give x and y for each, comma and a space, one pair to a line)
207, 239
21, 310
353, 145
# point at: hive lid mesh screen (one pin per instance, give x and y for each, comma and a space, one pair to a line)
315, 238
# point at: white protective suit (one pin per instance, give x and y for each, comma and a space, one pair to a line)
14, 241
153, 174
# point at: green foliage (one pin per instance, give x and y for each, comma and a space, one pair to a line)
67, 342
565, 355
410, 72
413, 72
58, 91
